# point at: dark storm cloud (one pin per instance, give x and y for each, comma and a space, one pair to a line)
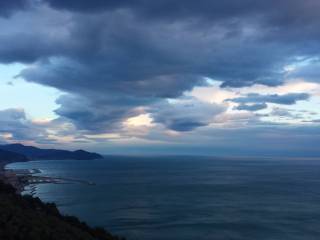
284, 12
96, 117
25, 50
89, 6
186, 114
286, 99
7, 7
252, 107
144, 49
116, 56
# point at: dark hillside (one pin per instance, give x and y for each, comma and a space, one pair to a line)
28, 218
8, 156
49, 154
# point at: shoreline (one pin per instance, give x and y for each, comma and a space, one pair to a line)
21, 178
27, 216
11, 177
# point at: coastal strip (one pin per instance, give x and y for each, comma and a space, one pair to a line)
27, 217
21, 178
10, 177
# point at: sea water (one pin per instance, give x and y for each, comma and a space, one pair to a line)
184, 198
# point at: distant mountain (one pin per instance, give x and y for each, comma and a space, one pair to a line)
9, 156
49, 154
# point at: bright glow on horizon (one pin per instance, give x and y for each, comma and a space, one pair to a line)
140, 120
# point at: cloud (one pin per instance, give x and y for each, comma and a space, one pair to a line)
95, 117
252, 107
256, 138
113, 57
285, 99
281, 112
185, 114
8, 7
285, 13
15, 125
221, 24
309, 72
315, 121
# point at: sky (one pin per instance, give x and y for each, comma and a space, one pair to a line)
162, 77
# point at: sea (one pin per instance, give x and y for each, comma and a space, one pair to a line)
188, 198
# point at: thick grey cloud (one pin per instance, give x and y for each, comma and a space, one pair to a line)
15, 126
315, 121
252, 107
286, 99
185, 115
285, 12
223, 51
95, 116
15, 122
281, 112
112, 57
8, 7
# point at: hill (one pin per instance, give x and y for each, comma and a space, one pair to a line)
8, 156
34, 153
28, 218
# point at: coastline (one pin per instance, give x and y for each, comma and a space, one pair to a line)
44, 219
22, 178
10, 177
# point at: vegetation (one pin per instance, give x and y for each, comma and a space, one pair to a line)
28, 218
9, 156
49, 154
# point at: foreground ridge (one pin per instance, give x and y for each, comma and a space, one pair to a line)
28, 218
